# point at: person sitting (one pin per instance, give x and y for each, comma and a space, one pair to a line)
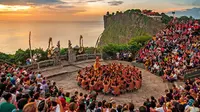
173, 77
7, 106
116, 90
106, 76
106, 87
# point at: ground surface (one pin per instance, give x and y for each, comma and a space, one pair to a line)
152, 85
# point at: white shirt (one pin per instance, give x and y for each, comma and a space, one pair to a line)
57, 108
194, 109
177, 63
13, 99
175, 76
160, 109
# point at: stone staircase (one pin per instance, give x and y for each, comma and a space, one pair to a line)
192, 74
139, 65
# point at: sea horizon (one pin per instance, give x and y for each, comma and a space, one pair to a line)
14, 35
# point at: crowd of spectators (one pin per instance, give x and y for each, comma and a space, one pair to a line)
173, 50
177, 99
26, 91
112, 79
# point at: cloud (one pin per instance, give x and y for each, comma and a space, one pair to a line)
115, 3
59, 9
64, 6
195, 3
194, 12
29, 2
95, 0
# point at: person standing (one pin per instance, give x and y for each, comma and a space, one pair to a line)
117, 55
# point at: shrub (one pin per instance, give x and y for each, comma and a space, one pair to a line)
140, 39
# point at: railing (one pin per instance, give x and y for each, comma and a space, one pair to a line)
87, 56
192, 72
63, 57
41, 64
51, 62
192, 75
46, 63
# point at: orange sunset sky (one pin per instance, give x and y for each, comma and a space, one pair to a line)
81, 10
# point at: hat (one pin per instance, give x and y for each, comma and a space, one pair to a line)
190, 102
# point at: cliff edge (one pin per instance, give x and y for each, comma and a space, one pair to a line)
121, 27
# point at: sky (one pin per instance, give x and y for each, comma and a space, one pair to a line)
82, 10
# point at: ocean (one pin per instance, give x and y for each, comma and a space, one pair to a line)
15, 35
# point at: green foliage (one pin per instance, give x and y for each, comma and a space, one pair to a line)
165, 18
112, 49
89, 50
40, 51
137, 11
127, 11
21, 56
63, 51
140, 39
185, 18
6, 57
133, 46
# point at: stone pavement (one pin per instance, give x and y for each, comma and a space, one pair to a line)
65, 68
152, 86
65, 77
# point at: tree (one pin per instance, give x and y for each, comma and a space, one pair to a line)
108, 13
137, 11
127, 11
117, 12
191, 18
21, 56
111, 49
63, 51
165, 18
184, 18
41, 53
134, 47
140, 40
89, 50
